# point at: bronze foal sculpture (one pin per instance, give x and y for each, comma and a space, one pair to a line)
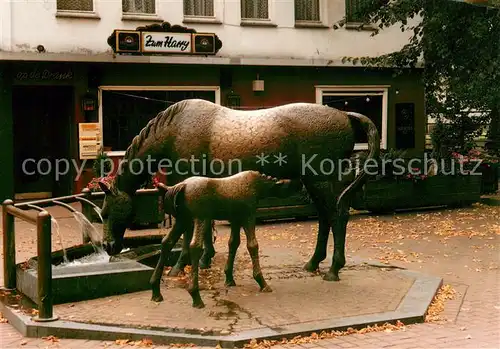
197, 202
300, 137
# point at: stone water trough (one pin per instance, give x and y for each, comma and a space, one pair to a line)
97, 275
80, 272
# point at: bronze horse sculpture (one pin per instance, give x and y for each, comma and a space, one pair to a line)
197, 201
300, 137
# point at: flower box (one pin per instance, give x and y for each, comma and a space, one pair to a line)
388, 194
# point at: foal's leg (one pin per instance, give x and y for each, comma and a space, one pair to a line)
201, 227
318, 191
209, 250
233, 244
183, 259
253, 249
167, 243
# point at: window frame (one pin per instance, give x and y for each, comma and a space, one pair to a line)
156, 3
259, 21
347, 6
363, 25
215, 19
92, 14
360, 90
215, 89
304, 21
197, 16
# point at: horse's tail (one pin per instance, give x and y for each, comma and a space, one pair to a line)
374, 151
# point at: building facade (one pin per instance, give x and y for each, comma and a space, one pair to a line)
60, 68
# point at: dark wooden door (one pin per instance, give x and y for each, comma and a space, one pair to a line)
42, 116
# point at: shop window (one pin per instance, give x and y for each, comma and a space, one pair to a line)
372, 103
307, 10
199, 8
139, 6
255, 9
125, 113
75, 5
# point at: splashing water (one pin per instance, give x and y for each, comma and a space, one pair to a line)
98, 211
90, 231
100, 257
55, 225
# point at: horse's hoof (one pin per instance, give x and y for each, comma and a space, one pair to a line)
230, 283
157, 298
329, 276
199, 304
311, 267
266, 289
175, 271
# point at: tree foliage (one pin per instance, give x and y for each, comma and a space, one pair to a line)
459, 44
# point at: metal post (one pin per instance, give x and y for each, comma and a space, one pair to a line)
44, 237
9, 247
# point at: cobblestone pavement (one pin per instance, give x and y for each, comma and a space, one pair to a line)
461, 245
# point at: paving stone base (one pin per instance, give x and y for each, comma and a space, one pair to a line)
300, 304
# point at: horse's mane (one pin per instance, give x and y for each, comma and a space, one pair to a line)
162, 119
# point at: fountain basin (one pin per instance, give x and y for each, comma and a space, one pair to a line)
83, 282
126, 272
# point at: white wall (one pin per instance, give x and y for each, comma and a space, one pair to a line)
34, 22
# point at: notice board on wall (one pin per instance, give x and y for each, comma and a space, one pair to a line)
405, 125
89, 139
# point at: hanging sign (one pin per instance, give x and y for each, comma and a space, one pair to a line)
89, 138
163, 39
166, 42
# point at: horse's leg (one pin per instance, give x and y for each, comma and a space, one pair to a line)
233, 244
201, 227
208, 250
253, 249
319, 196
167, 243
340, 218
183, 259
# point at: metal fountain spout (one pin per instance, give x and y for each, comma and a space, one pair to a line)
86, 191
68, 207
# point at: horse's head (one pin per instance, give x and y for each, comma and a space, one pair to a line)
117, 214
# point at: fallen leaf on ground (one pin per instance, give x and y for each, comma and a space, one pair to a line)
122, 341
436, 307
52, 339
142, 343
254, 344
